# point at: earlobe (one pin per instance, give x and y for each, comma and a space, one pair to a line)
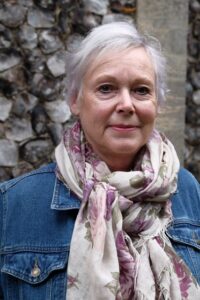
158, 110
74, 106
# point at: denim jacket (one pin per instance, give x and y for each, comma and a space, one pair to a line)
37, 215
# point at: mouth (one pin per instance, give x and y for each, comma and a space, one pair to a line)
124, 127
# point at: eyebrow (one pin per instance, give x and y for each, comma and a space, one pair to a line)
144, 80
137, 80
105, 77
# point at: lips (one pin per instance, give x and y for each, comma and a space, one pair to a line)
124, 127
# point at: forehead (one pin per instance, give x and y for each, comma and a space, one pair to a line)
133, 61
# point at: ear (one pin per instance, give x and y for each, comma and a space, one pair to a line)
157, 106
75, 106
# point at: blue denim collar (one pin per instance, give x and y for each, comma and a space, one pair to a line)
63, 198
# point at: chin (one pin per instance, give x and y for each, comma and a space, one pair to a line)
126, 150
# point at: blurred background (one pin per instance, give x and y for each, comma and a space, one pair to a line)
34, 37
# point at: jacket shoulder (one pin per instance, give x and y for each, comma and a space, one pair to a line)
186, 200
186, 175
26, 196
34, 177
26, 218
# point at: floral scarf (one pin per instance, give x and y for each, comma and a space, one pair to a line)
119, 250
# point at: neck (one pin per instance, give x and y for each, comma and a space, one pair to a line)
118, 163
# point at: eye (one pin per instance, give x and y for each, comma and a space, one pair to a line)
142, 90
106, 88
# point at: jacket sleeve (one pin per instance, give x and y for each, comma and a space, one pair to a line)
186, 202
1, 229
184, 231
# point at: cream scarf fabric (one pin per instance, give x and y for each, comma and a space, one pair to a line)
119, 250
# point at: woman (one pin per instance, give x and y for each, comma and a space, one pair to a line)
111, 198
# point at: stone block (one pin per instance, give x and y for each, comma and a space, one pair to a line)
8, 153
5, 108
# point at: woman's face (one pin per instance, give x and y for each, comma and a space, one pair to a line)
117, 106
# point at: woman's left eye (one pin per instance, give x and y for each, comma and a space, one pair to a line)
142, 90
106, 88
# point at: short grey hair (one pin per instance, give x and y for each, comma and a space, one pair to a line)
113, 36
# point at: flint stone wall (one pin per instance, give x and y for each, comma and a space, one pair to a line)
192, 130
34, 37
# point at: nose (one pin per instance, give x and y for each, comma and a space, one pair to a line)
125, 103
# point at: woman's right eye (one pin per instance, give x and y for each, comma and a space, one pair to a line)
106, 88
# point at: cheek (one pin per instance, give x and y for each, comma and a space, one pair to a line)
148, 113
99, 111
91, 117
